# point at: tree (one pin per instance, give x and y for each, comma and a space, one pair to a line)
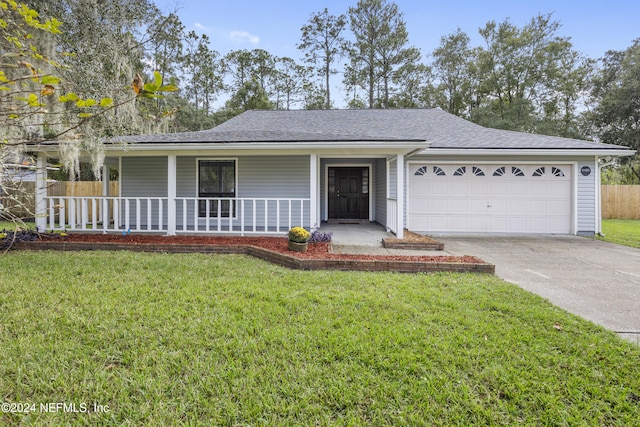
515, 69
289, 82
379, 50
245, 66
566, 91
616, 94
416, 89
35, 103
203, 81
452, 67
323, 44
251, 96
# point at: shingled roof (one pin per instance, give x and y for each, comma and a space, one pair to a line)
437, 127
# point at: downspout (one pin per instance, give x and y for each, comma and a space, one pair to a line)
608, 161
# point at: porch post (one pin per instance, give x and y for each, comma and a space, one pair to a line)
400, 195
313, 191
105, 180
171, 195
41, 192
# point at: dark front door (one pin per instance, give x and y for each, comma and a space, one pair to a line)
349, 193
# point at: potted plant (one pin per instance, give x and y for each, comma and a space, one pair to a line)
298, 239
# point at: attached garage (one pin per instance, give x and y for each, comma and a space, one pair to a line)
498, 198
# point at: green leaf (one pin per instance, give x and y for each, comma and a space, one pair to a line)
72, 97
50, 80
4, 88
63, 98
81, 103
158, 78
13, 116
90, 102
167, 88
151, 95
150, 87
106, 102
85, 115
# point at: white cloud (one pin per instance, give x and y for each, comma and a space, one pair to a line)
243, 36
201, 27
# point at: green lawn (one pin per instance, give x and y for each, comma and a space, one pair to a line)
10, 226
167, 339
621, 231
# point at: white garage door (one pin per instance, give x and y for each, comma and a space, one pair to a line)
511, 198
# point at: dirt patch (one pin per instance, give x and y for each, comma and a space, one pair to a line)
319, 250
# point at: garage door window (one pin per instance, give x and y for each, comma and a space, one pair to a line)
477, 171
421, 171
539, 171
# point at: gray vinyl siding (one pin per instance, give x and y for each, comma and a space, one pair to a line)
586, 199
380, 196
281, 177
393, 179
143, 177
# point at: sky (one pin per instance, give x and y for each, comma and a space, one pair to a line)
594, 26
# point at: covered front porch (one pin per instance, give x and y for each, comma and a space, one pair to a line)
161, 194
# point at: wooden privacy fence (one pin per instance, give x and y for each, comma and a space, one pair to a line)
21, 200
80, 188
621, 201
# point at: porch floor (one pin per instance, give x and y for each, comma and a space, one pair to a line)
364, 238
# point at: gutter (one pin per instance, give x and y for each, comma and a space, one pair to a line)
493, 152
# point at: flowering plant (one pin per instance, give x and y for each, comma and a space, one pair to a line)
299, 235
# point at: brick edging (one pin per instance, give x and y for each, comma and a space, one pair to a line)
267, 255
412, 245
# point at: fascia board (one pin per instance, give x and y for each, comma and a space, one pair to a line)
527, 152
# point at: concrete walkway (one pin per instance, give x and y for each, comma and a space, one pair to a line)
365, 238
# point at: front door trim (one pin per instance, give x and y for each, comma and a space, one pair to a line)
372, 188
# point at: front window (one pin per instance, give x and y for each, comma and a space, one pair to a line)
216, 179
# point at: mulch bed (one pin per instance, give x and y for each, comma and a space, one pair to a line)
274, 249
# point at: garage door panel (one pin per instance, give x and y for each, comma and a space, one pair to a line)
538, 189
519, 198
518, 188
457, 206
516, 206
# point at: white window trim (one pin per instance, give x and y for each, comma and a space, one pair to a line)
222, 159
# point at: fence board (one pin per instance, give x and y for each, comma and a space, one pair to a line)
620, 201
22, 200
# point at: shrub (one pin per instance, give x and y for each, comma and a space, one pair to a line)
318, 236
299, 235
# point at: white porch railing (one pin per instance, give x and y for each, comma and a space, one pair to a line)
392, 215
191, 215
107, 213
240, 215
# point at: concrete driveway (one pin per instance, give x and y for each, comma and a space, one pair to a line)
596, 280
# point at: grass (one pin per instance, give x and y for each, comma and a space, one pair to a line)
11, 226
166, 339
621, 231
